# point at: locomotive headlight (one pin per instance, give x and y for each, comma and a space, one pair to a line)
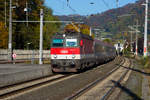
64, 35
73, 56
55, 56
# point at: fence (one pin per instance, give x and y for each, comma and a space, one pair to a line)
24, 54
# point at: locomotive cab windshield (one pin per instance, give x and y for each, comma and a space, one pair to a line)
57, 42
65, 42
71, 42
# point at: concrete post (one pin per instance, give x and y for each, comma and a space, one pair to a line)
10, 33
145, 30
41, 38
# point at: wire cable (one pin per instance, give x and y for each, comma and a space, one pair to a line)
70, 6
67, 5
106, 4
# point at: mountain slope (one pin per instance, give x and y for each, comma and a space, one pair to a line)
110, 21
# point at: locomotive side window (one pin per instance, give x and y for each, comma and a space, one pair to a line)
71, 42
58, 42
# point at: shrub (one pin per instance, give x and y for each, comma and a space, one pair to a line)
145, 61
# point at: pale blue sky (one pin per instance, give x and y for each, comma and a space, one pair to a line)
83, 7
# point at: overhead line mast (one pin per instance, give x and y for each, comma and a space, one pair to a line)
10, 32
117, 3
67, 2
145, 30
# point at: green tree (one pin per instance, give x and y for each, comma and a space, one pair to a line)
3, 36
23, 33
3, 28
107, 41
49, 28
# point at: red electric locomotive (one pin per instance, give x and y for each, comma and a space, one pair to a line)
71, 52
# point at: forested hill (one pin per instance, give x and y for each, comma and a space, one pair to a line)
110, 19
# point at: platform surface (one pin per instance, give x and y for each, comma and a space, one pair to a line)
16, 73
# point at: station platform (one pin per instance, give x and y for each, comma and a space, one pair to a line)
16, 73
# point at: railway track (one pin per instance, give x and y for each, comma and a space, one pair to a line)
109, 92
11, 91
17, 90
93, 84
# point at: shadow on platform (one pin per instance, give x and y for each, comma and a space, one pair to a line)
126, 90
136, 70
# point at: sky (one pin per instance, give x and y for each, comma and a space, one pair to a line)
83, 7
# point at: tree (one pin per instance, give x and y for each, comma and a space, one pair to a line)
23, 33
3, 36
3, 29
49, 28
85, 29
107, 41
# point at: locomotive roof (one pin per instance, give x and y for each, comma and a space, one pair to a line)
75, 34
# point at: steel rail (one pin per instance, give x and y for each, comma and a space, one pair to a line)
18, 88
107, 94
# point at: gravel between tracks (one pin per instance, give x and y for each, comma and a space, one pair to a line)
136, 87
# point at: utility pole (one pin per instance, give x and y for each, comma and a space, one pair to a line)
131, 42
117, 1
90, 31
41, 38
145, 30
10, 32
136, 48
99, 35
136, 31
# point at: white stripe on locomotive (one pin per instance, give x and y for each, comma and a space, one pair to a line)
77, 56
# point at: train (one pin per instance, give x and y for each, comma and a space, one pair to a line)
73, 52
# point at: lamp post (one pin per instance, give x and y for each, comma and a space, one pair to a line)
26, 10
